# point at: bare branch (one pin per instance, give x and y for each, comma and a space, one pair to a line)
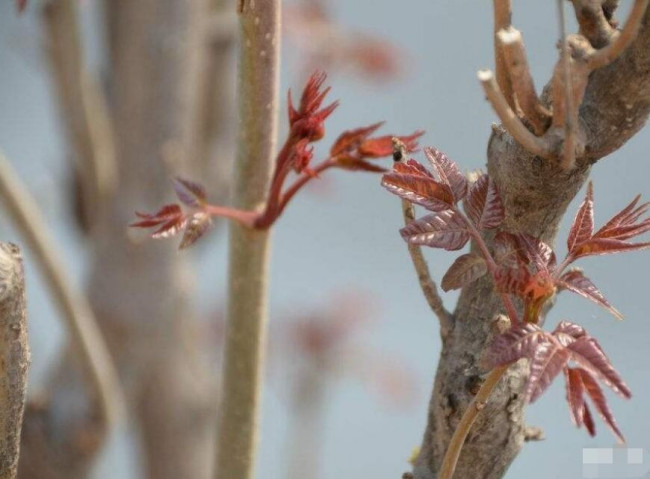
14, 357
537, 146
516, 63
608, 54
258, 81
82, 104
502, 19
427, 284
76, 311
571, 106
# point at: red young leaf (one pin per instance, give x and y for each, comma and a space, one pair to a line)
467, 268
300, 155
189, 193
550, 358
592, 388
588, 420
512, 280
170, 228
350, 140
574, 392
163, 215
570, 329
506, 250
624, 221
411, 166
575, 281
583, 224
383, 146
356, 164
587, 353
448, 172
170, 219
307, 121
415, 184
534, 251
612, 237
445, 229
196, 227
483, 204
599, 247
21, 4
518, 342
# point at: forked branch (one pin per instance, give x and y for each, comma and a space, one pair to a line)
622, 40
536, 145
578, 59
84, 331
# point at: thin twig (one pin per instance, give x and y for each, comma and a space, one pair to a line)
537, 146
516, 64
502, 19
14, 357
571, 113
427, 284
258, 81
462, 430
608, 54
80, 320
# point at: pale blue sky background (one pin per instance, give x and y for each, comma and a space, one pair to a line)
349, 240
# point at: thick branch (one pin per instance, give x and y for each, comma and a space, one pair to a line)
502, 19
248, 268
14, 357
570, 120
512, 45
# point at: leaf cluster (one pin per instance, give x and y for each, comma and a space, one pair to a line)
353, 150
523, 267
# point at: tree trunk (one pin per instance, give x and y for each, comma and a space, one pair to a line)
536, 193
141, 292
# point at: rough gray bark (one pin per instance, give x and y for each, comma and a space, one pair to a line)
14, 357
536, 193
155, 53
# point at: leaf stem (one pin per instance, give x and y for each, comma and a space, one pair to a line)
245, 218
302, 181
460, 434
492, 266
